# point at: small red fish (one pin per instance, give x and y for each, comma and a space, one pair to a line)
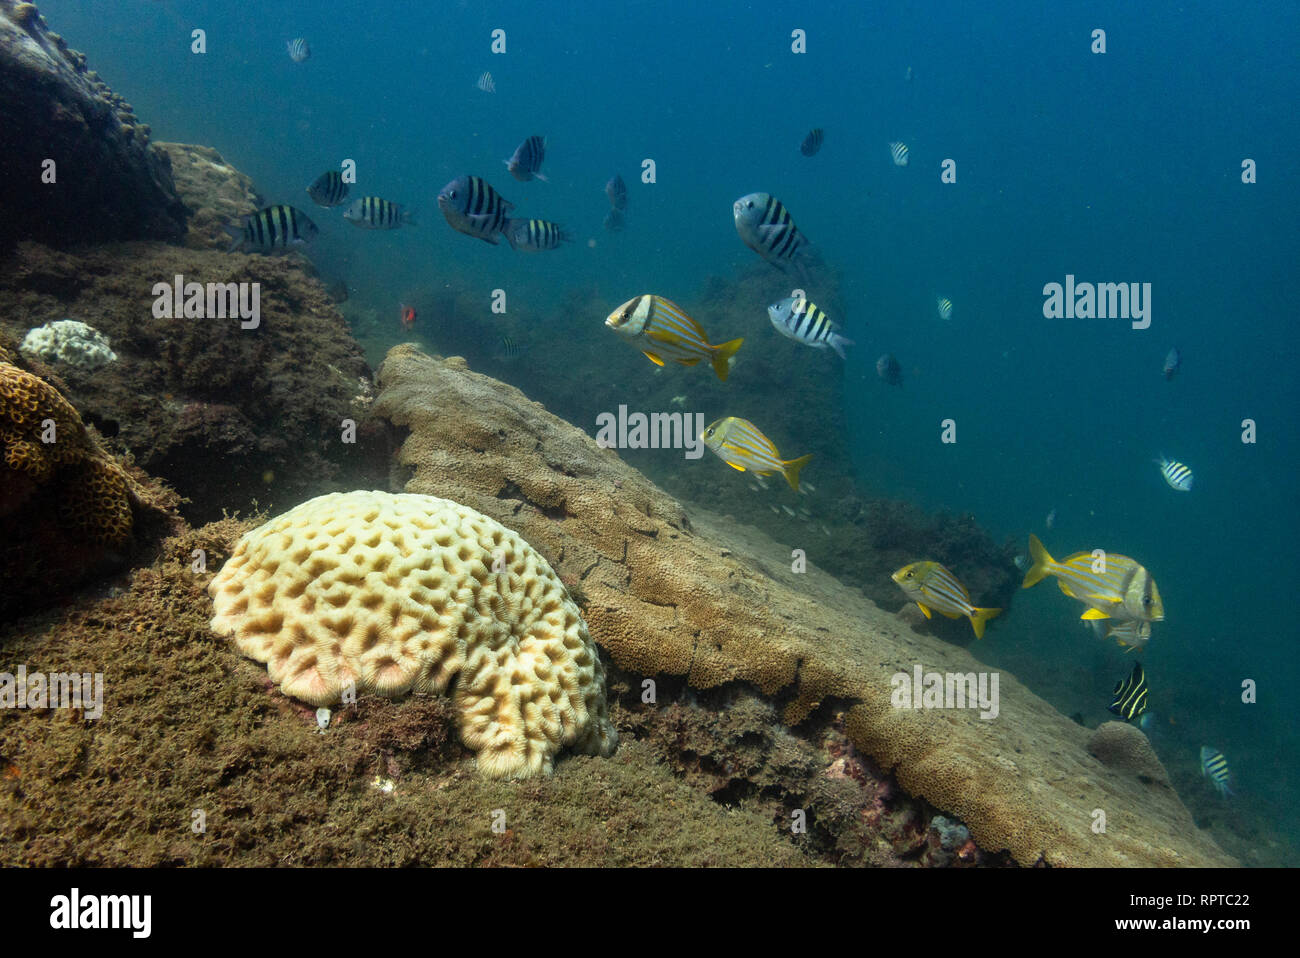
408, 316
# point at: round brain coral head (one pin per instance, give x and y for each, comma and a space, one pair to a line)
402, 593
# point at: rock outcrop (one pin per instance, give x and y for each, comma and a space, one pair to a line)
77, 166
669, 594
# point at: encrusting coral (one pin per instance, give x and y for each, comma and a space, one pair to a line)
393, 594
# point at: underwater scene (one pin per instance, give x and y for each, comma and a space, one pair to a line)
648, 434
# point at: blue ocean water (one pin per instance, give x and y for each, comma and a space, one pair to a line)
1123, 166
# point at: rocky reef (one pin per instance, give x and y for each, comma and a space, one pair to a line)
671, 592
77, 166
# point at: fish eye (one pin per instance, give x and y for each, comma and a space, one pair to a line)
1146, 600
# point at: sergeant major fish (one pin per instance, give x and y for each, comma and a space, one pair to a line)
1215, 767
526, 162
812, 142
616, 190
740, 444
888, 369
375, 213
534, 235
1178, 476
1124, 590
944, 306
299, 49
898, 153
273, 229
472, 207
662, 330
799, 319
328, 189
931, 586
766, 227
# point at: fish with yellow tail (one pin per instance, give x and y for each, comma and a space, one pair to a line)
1111, 585
662, 330
931, 586
739, 444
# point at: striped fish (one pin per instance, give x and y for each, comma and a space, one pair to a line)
374, 213
931, 586
766, 227
615, 221
534, 235
272, 229
739, 444
1215, 767
472, 207
1129, 633
485, 83
802, 321
812, 142
1129, 700
328, 189
898, 152
1176, 474
1125, 590
298, 49
662, 330
616, 190
508, 348
527, 160
944, 305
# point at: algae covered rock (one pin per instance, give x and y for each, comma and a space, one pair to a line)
77, 166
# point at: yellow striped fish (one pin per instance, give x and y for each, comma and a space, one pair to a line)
662, 330
739, 444
1129, 699
1176, 474
1125, 590
931, 586
1215, 767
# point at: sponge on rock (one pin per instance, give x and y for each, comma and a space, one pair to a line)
402, 593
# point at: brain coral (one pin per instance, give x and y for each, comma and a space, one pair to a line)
401, 593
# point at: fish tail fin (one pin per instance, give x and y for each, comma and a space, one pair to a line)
541, 177
1043, 562
722, 357
508, 230
791, 470
979, 616
838, 343
236, 233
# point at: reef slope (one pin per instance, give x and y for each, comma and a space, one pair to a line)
669, 595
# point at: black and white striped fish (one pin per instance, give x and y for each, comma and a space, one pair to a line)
616, 190
1215, 767
376, 213
766, 227
1176, 474
485, 83
328, 189
1129, 699
898, 152
508, 349
472, 207
270, 230
526, 162
812, 142
299, 49
535, 235
802, 321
